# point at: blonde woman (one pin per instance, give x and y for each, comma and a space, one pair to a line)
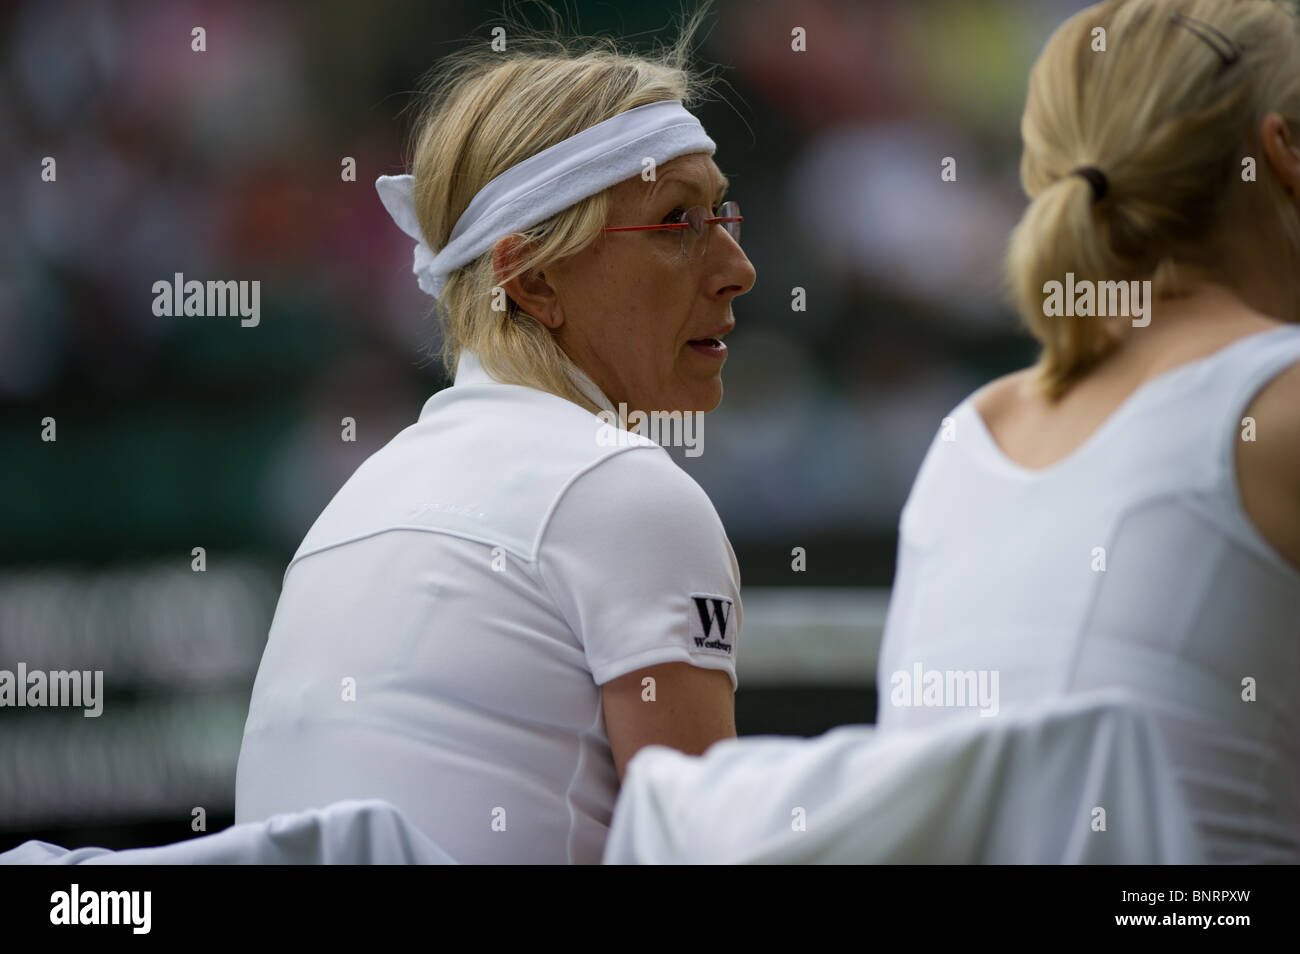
508, 601
1126, 513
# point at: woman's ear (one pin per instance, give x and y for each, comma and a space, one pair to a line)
1283, 154
530, 290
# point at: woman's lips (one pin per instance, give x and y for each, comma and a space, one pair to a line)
712, 347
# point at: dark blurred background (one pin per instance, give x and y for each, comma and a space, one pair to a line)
177, 433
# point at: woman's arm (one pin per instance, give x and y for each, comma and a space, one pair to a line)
640, 567
682, 706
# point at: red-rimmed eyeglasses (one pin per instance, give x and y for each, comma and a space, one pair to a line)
694, 225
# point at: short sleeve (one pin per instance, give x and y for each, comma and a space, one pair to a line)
637, 560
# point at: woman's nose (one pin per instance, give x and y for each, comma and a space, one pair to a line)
735, 271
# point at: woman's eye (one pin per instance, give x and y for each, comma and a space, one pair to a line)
674, 216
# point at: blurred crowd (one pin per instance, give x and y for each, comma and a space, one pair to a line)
226, 164
175, 433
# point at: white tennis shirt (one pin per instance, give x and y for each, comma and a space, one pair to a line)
1130, 563
444, 629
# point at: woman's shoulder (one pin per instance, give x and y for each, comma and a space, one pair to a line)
643, 474
638, 498
1267, 465
1001, 396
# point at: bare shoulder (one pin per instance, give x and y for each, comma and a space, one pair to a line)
1268, 462
997, 398
1271, 425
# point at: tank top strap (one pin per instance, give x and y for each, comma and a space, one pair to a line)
1241, 371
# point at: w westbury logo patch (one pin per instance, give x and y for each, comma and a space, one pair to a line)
710, 620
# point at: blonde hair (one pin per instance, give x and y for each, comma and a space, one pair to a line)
1168, 122
486, 111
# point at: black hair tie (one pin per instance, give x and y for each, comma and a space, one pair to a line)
1096, 178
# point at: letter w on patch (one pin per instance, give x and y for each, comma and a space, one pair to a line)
710, 624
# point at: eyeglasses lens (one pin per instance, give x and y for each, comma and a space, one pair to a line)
695, 239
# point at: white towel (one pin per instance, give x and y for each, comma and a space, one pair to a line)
355, 832
1025, 787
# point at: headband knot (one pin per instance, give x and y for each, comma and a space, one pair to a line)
547, 183
1096, 178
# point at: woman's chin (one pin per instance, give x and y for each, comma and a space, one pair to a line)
708, 397
701, 395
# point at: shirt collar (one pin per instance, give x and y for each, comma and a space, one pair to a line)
470, 370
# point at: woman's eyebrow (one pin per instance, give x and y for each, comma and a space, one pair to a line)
692, 184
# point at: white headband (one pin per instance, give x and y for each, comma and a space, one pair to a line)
552, 180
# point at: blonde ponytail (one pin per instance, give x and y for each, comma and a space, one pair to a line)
1167, 114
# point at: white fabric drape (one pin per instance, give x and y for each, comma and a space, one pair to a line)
369, 832
1022, 787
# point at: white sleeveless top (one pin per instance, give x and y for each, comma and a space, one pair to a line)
1132, 563
445, 628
